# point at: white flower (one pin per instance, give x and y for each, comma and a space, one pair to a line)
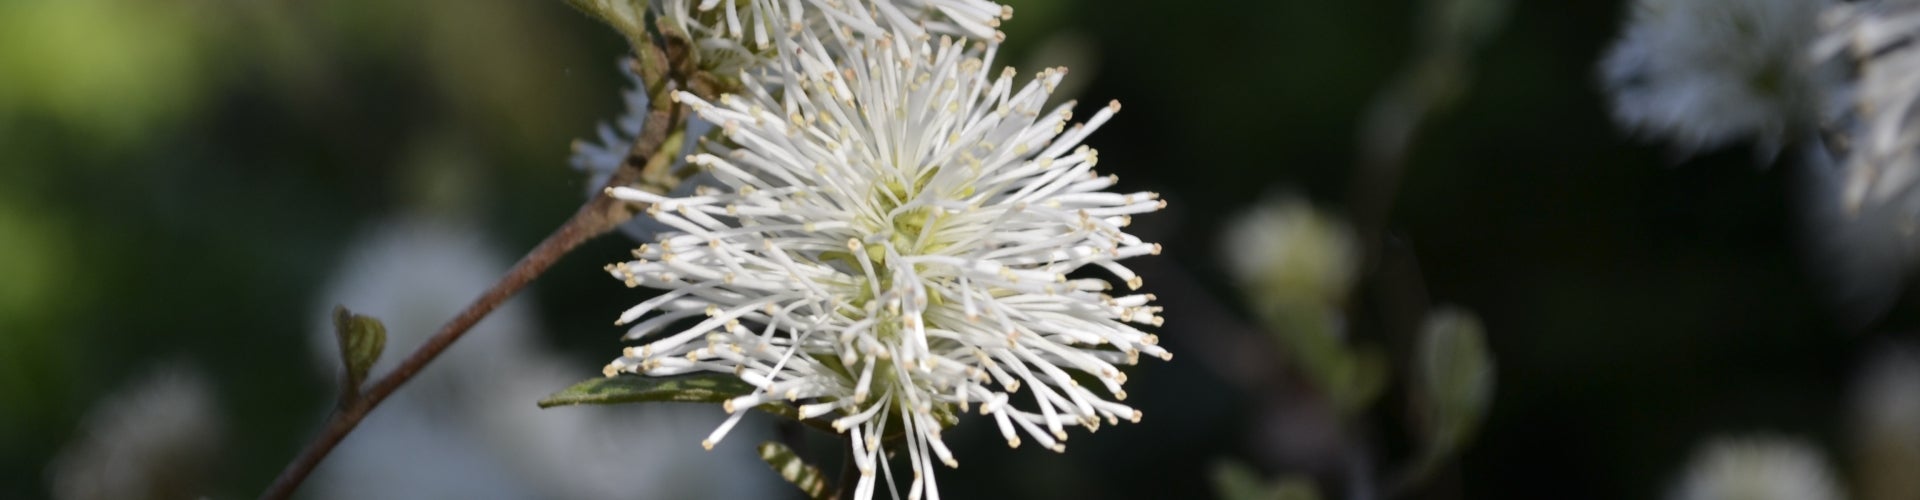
1702, 73
1882, 148
734, 34
1286, 249
1761, 468
899, 238
1865, 203
599, 159
157, 437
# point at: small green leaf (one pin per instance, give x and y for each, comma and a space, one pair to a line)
362, 339
1237, 481
1455, 379
795, 470
1295, 488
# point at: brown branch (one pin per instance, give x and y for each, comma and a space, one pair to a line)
577, 230
598, 216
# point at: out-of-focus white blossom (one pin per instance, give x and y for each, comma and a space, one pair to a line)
1878, 137
1286, 247
1703, 73
738, 34
1295, 266
157, 437
898, 238
1757, 468
601, 157
1865, 210
467, 426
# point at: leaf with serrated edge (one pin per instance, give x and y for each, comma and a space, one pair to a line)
795, 470
361, 339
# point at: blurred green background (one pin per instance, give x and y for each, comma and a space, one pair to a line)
177, 177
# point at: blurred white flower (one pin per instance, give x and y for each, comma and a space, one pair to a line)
1880, 144
1866, 180
1284, 249
1702, 73
892, 243
467, 426
736, 34
1295, 266
1757, 468
600, 158
156, 437
1886, 426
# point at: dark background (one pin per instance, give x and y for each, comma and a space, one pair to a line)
176, 178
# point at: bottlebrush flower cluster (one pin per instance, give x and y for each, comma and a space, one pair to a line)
897, 234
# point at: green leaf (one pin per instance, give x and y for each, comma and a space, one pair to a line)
1352, 376
703, 387
1295, 488
1464, 23
790, 467
362, 339
629, 17
1237, 481
1454, 379
1358, 380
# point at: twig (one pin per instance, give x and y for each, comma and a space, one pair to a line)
598, 216
1429, 84
347, 416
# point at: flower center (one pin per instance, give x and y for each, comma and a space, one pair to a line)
910, 231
